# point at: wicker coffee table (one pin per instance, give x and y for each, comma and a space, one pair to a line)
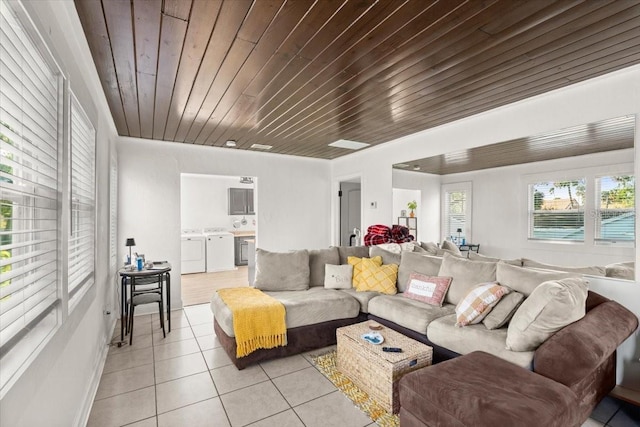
377, 372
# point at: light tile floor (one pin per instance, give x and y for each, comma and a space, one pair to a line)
186, 379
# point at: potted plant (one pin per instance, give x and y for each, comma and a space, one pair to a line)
412, 205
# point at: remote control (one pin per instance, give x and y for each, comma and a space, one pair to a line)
392, 349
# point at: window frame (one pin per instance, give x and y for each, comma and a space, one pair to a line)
467, 230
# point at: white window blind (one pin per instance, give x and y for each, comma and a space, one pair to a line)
556, 210
113, 216
615, 208
456, 211
30, 91
82, 204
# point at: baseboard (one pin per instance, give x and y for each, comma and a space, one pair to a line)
83, 416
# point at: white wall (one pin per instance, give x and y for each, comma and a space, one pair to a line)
292, 197
500, 205
428, 205
57, 389
204, 202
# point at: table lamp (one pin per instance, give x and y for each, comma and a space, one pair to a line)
130, 242
459, 231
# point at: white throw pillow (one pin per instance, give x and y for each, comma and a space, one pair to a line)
338, 276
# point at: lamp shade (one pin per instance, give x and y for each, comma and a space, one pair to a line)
130, 242
459, 230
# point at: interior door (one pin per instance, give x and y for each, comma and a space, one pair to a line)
350, 206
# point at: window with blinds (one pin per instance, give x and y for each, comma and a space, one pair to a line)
615, 209
82, 203
30, 117
556, 210
113, 216
456, 211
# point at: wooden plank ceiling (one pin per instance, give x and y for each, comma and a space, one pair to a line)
607, 135
300, 74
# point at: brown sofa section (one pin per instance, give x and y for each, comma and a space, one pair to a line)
299, 340
572, 371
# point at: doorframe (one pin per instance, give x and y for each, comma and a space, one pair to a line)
335, 204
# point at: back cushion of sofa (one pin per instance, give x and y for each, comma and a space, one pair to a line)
477, 257
282, 271
317, 260
413, 262
592, 270
525, 280
466, 274
356, 251
387, 256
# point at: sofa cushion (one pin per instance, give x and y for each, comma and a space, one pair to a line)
477, 257
377, 278
315, 305
428, 289
466, 274
413, 262
411, 314
621, 270
357, 267
450, 246
317, 260
503, 311
550, 307
430, 247
591, 270
525, 280
282, 271
356, 251
388, 257
445, 333
362, 297
338, 276
478, 303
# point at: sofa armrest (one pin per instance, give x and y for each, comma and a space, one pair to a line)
577, 350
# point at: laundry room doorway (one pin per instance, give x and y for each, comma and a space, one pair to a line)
218, 220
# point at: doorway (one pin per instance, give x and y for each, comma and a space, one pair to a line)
350, 211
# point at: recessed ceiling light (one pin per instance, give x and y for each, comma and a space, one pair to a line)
262, 147
349, 145
230, 143
401, 166
416, 167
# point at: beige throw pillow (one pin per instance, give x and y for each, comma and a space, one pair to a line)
550, 307
503, 311
338, 276
450, 246
282, 271
466, 275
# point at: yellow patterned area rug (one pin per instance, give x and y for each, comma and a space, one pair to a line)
327, 365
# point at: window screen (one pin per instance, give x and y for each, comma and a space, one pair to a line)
557, 210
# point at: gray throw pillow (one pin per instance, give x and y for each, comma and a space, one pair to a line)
317, 260
503, 311
356, 251
338, 276
430, 247
550, 307
525, 280
450, 246
387, 256
282, 271
466, 275
413, 262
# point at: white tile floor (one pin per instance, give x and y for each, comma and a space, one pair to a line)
186, 379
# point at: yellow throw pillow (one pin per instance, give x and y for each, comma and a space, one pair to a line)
357, 267
377, 278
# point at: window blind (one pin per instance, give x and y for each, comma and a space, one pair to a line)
29, 127
113, 216
82, 206
455, 208
557, 210
615, 209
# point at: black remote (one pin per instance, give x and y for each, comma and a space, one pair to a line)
392, 349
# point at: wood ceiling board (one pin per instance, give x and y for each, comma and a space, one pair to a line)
199, 30
179, 8
230, 18
171, 41
95, 29
279, 30
119, 24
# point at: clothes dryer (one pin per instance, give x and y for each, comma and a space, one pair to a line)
194, 251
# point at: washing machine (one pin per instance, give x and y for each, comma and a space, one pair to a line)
220, 249
194, 252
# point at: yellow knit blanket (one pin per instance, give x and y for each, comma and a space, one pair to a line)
258, 319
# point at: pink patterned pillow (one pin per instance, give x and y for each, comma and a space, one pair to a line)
427, 289
479, 302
